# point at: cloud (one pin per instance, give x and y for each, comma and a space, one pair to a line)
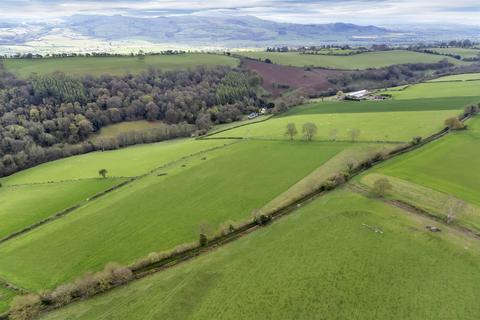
382, 12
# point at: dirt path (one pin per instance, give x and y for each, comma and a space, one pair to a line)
410, 208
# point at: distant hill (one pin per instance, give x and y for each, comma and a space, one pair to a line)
219, 29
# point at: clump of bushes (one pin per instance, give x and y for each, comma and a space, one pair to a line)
471, 110
336, 180
155, 257
381, 187
454, 124
29, 306
416, 140
25, 307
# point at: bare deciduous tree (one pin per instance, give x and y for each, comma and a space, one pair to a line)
381, 186
454, 123
354, 134
309, 130
333, 134
453, 207
291, 130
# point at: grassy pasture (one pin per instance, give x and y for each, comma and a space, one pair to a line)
459, 77
463, 52
22, 206
117, 129
319, 263
97, 66
355, 154
448, 165
132, 161
391, 123
366, 60
159, 212
438, 90
334, 107
432, 201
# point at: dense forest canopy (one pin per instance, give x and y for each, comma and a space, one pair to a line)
49, 117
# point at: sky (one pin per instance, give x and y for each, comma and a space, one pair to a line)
364, 12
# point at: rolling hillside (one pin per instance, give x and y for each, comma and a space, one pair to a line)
97, 66
354, 253
353, 62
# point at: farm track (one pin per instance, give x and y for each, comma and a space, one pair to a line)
101, 194
63, 181
410, 208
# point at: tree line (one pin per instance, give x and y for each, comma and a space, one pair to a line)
52, 116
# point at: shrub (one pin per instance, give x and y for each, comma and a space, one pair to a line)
472, 110
115, 274
263, 219
85, 286
416, 140
62, 295
203, 241
381, 186
25, 307
454, 124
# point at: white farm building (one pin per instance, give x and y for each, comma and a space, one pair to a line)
358, 94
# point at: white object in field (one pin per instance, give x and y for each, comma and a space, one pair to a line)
358, 94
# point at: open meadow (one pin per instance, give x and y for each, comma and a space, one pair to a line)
447, 165
118, 129
161, 210
438, 90
325, 259
465, 53
24, 205
97, 66
440, 178
186, 186
387, 121
360, 61
127, 162
459, 77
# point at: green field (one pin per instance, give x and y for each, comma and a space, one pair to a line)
447, 166
394, 121
115, 130
132, 161
159, 212
24, 205
438, 90
434, 202
323, 261
366, 60
115, 65
6, 297
318, 263
463, 52
459, 77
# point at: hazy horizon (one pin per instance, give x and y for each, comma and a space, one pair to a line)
363, 12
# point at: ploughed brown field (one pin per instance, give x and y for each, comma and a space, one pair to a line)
274, 76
